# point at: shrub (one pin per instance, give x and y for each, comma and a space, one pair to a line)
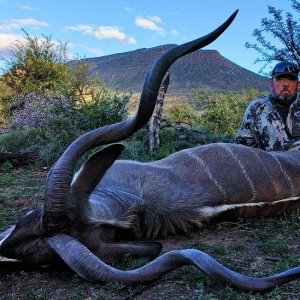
222, 113
183, 113
105, 107
56, 122
34, 110
15, 140
198, 98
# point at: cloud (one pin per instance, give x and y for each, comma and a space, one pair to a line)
150, 23
94, 51
20, 23
24, 7
104, 33
85, 29
7, 40
113, 32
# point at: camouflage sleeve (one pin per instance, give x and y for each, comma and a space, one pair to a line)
246, 133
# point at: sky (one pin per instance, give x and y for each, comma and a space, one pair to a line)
98, 28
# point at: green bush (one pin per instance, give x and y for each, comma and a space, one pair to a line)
16, 140
183, 113
62, 122
222, 113
35, 66
6, 94
105, 107
199, 97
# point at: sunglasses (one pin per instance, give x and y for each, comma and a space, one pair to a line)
294, 70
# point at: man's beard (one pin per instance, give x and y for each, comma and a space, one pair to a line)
284, 100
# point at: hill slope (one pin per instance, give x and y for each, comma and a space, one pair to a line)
202, 68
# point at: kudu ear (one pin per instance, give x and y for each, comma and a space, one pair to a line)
94, 168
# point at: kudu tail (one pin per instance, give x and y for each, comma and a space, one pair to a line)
91, 268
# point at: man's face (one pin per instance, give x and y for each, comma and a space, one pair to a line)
284, 89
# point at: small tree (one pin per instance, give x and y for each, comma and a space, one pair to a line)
37, 65
278, 28
83, 82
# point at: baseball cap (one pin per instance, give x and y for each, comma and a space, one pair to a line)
285, 68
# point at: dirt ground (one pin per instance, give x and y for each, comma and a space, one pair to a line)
256, 248
184, 283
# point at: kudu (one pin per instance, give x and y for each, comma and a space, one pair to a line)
87, 220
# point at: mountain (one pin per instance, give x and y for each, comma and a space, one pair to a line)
202, 68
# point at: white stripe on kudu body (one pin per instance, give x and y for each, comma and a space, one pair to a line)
206, 168
288, 178
243, 169
264, 170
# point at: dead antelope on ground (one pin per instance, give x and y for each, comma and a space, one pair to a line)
87, 221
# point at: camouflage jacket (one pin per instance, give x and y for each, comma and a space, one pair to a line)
263, 127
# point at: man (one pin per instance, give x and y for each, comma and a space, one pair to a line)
272, 122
